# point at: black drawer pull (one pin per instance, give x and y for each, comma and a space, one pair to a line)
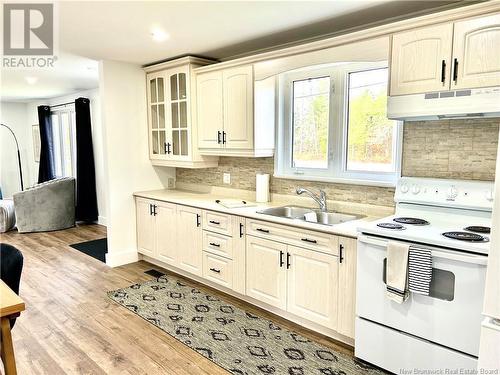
288, 264
214, 244
215, 270
214, 222
241, 230
198, 220
263, 230
282, 262
341, 253
308, 240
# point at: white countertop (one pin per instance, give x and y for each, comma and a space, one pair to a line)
206, 201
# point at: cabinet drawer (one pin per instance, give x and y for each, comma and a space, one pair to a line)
324, 242
217, 222
218, 270
218, 244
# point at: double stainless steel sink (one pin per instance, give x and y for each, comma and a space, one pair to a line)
309, 214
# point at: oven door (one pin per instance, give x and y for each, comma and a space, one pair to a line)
450, 316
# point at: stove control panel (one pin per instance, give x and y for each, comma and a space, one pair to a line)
447, 193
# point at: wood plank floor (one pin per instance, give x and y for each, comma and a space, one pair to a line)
71, 327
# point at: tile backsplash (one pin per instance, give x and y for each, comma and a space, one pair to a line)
461, 149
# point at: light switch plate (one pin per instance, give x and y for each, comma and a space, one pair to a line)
226, 178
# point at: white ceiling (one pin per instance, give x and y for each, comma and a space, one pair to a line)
121, 30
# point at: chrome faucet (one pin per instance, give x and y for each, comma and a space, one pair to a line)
321, 199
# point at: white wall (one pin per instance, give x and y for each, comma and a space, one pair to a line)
14, 116
97, 134
126, 161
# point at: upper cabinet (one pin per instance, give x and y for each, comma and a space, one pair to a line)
476, 52
171, 110
233, 120
420, 60
460, 55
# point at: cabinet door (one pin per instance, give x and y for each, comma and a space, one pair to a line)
190, 243
166, 233
159, 136
145, 226
178, 112
421, 60
238, 107
209, 109
312, 286
347, 286
266, 271
476, 52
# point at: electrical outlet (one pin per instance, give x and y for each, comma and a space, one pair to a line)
226, 178
171, 183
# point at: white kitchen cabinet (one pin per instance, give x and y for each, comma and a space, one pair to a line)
235, 114
346, 305
420, 60
238, 107
190, 239
171, 98
210, 109
476, 52
145, 226
266, 271
312, 285
166, 233
459, 55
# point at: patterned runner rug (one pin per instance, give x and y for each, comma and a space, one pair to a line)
236, 340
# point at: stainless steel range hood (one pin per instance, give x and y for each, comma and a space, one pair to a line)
473, 103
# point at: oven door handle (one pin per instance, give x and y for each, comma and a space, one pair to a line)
460, 257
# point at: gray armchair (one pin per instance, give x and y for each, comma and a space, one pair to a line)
47, 206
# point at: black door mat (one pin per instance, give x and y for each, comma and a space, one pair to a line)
96, 248
154, 273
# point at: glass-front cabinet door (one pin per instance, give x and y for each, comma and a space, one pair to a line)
179, 111
159, 132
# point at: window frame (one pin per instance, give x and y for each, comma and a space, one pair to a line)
337, 171
69, 111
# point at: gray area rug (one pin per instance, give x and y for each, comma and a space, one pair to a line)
236, 340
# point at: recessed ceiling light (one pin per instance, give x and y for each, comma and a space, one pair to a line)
159, 35
31, 80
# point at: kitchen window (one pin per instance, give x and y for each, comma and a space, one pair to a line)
64, 135
334, 126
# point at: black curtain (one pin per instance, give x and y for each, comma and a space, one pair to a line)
47, 169
86, 199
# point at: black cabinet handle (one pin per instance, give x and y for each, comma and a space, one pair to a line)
241, 230
154, 209
288, 261
223, 137
455, 70
198, 223
215, 270
341, 253
308, 240
214, 222
165, 147
443, 71
218, 137
150, 209
262, 230
282, 262
214, 244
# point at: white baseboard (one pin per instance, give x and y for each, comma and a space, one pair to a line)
101, 220
121, 258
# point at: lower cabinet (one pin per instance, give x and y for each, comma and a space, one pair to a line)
347, 286
315, 282
312, 285
190, 241
266, 271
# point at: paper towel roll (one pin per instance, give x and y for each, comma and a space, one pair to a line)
262, 188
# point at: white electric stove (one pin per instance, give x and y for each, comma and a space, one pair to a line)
441, 331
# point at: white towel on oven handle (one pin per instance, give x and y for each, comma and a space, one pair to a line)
397, 271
